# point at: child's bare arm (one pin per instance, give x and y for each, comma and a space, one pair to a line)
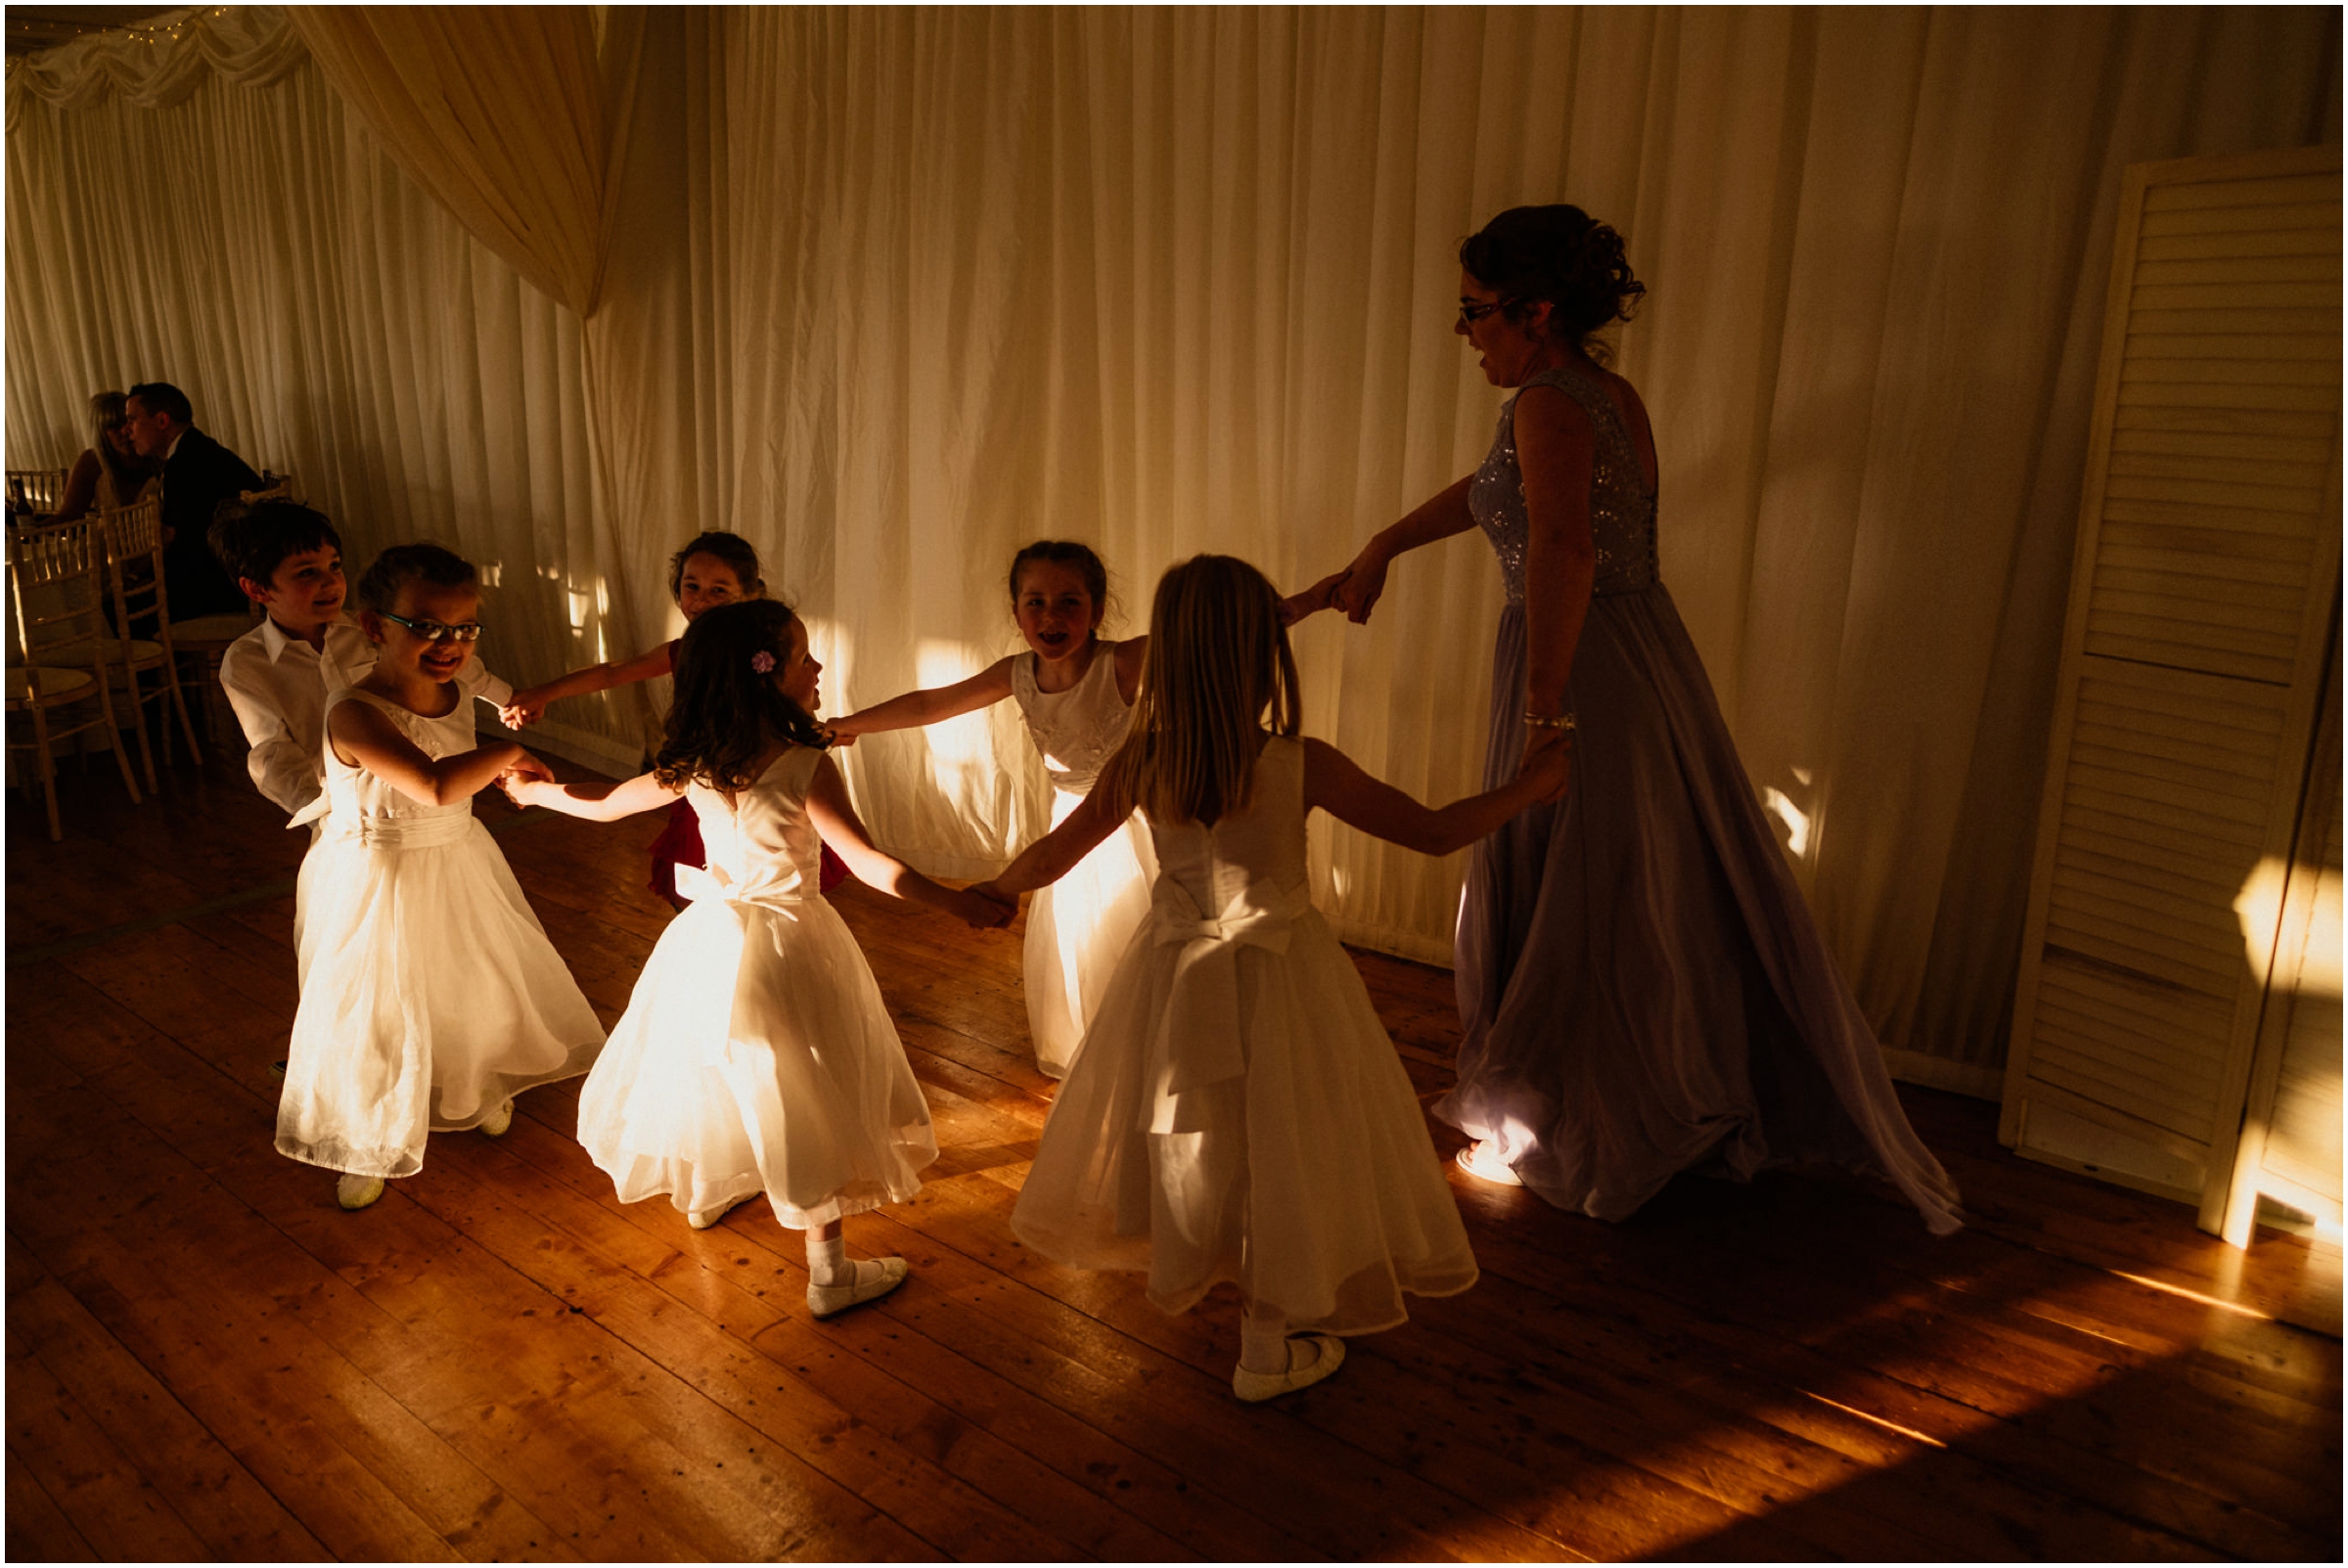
363, 736
917, 708
596, 802
1132, 654
835, 819
532, 701
1058, 852
1334, 783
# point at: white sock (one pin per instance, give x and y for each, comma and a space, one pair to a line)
1265, 1345
828, 1261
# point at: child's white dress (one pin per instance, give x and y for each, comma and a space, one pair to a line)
756, 1052
1238, 1111
430, 992
1078, 927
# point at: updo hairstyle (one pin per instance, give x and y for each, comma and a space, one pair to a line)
1563, 255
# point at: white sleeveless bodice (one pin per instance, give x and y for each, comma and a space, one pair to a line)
1078, 729
763, 848
373, 810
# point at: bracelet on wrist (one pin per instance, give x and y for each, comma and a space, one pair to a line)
1560, 721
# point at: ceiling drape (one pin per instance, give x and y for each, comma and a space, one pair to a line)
496, 111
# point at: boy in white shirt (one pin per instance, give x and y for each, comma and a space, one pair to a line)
288, 561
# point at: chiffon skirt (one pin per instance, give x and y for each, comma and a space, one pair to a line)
1640, 982
1077, 929
755, 1056
1307, 1180
429, 994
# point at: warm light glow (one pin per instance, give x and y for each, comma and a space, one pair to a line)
2195, 1296
1889, 1427
2320, 966
2259, 909
1797, 820
962, 749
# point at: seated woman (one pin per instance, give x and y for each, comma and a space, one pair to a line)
110, 472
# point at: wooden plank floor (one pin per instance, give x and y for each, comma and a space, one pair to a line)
208, 1359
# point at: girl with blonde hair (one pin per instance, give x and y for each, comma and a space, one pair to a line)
110, 473
1238, 1112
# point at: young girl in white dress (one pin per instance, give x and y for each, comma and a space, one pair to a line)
756, 1054
1076, 694
430, 993
1238, 1111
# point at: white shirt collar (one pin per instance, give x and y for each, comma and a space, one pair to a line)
276, 639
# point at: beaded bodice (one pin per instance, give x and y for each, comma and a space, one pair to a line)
1622, 506
1078, 729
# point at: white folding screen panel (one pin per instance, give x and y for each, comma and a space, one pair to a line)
2203, 593
2291, 1144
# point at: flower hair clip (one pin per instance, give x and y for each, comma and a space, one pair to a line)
763, 663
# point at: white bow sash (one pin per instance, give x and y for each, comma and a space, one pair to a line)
712, 888
1198, 1039
400, 832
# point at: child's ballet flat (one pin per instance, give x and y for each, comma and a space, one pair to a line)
704, 1219
497, 1121
357, 1191
1257, 1387
1478, 1160
824, 1300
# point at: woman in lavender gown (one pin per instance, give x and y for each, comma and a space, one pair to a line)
1641, 986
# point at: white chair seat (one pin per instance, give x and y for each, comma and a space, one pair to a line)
204, 630
54, 684
142, 654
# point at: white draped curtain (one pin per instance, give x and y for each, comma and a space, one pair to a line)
893, 291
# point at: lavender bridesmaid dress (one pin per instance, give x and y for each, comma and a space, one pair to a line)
1640, 982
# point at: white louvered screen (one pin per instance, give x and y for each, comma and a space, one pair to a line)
2290, 1147
2202, 594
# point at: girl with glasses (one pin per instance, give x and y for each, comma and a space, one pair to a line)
430, 993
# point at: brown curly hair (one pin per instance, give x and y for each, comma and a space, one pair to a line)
726, 710
1560, 254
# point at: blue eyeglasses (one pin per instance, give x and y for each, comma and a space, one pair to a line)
436, 631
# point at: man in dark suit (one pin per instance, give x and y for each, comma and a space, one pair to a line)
198, 474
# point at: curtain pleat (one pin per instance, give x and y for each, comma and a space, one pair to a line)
497, 112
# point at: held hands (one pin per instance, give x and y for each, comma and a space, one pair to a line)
985, 905
1313, 601
1355, 590
526, 778
1548, 764
523, 711
526, 765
